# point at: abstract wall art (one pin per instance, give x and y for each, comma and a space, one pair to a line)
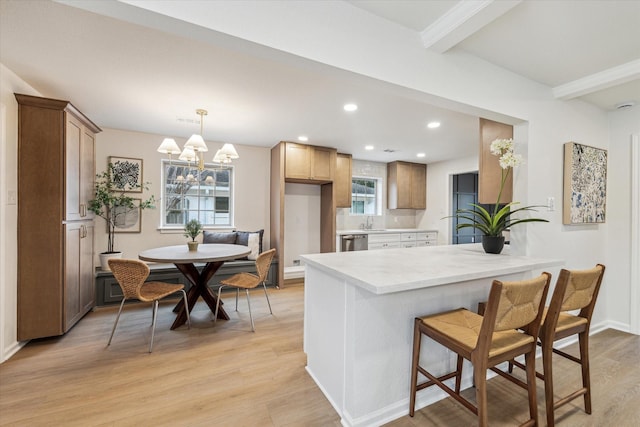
128, 172
585, 184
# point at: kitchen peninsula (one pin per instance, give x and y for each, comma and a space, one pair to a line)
358, 319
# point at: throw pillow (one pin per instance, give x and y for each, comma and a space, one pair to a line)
243, 238
215, 237
254, 245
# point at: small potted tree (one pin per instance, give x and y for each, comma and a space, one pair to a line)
111, 203
192, 229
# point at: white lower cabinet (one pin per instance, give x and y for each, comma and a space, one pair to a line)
384, 245
402, 240
427, 238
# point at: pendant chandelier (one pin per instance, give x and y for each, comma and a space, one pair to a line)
195, 147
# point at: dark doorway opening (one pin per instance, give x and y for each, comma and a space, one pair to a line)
465, 192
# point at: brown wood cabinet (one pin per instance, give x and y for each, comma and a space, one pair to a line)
56, 170
406, 185
343, 178
309, 164
490, 172
289, 163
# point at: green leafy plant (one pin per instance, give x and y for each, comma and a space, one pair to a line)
192, 229
499, 219
111, 202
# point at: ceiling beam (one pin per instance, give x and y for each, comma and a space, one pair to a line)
463, 20
602, 80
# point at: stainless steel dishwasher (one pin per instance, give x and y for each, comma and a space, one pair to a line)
354, 242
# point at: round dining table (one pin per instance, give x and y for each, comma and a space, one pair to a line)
213, 255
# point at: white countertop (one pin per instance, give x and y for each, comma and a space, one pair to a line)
382, 231
395, 270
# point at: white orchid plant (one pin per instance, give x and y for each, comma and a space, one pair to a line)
500, 219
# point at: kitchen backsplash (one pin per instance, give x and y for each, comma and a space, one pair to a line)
394, 218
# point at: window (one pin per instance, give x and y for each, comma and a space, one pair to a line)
365, 196
188, 194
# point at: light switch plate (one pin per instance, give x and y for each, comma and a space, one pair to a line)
11, 197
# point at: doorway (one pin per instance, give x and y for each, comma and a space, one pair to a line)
464, 192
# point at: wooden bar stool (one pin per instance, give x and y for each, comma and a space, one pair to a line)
508, 329
575, 290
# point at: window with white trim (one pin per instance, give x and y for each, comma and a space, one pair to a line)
365, 196
189, 193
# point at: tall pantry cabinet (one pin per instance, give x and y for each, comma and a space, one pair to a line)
56, 171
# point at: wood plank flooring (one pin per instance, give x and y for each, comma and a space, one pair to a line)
223, 375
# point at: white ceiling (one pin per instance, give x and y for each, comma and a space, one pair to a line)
132, 77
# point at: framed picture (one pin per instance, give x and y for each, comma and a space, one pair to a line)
128, 220
585, 184
127, 173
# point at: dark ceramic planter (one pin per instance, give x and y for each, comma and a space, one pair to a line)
493, 244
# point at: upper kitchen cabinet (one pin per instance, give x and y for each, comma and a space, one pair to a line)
343, 180
309, 164
406, 185
80, 168
489, 171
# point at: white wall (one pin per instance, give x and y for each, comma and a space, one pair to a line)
302, 221
9, 84
623, 124
251, 189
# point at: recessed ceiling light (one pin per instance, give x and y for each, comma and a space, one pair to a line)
350, 107
368, 147
433, 125
303, 138
421, 154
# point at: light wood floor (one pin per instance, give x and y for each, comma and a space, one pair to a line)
223, 375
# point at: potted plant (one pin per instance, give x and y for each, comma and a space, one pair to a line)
492, 224
192, 229
111, 202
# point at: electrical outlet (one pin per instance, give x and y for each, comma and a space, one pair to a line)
296, 262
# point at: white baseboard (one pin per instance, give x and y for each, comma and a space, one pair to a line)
295, 272
12, 349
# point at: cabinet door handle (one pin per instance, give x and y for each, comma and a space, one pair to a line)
83, 231
83, 210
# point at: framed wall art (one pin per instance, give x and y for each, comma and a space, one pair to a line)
585, 184
128, 220
127, 173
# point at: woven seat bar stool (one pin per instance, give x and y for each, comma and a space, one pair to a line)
575, 290
248, 281
508, 329
131, 275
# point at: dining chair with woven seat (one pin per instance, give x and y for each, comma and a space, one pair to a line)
509, 328
574, 290
249, 281
131, 275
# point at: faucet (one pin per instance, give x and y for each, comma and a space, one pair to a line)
369, 226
